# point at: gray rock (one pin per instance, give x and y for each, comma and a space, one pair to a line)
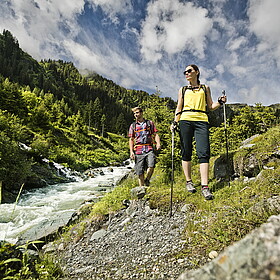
138, 192
49, 247
98, 234
126, 202
270, 205
257, 256
124, 222
223, 167
187, 208
243, 162
82, 270
142, 243
45, 229
247, 143
136, 207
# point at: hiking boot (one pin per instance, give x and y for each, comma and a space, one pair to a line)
147, 182
190, 187
207, 194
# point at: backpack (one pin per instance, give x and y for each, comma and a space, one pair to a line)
148, 125
193, 110
148, 128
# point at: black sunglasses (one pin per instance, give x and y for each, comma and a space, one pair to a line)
187, 71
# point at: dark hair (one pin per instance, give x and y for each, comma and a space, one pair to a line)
195, 67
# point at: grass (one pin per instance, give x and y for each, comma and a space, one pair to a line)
210, 225
230, 217
17, 263
216, 224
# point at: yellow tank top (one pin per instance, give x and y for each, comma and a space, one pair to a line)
194, 99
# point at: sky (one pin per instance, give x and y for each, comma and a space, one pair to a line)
146, 44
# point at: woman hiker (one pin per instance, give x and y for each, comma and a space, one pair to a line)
191, 116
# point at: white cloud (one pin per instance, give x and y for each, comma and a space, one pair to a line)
173, 33
112, 8
239, 71
264, 22
249, 95
220, 68
40, 26
236, 43
215, 2
83, 56
172, 27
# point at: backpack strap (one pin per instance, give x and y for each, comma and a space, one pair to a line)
148, 128
148, 125
134, 126
183, 95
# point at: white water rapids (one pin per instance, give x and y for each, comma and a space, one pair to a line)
41, 211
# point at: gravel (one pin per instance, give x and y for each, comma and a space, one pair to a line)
135, 243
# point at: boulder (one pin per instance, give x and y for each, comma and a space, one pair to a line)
223, 167
138, 192
257, 256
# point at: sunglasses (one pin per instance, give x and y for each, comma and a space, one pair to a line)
188, 71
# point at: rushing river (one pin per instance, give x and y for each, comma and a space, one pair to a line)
41, 211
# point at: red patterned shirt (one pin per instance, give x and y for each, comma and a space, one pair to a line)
143, 135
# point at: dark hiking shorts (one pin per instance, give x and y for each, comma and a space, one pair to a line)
200, 131
142, 162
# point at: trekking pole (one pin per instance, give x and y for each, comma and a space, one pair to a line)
226, 137
172, 172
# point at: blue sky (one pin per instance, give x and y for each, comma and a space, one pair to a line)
145, 45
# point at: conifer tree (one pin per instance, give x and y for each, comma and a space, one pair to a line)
97, 113
121, 126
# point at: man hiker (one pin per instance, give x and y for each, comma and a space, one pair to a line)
142, 134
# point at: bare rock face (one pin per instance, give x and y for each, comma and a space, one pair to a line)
257, 256
243, 162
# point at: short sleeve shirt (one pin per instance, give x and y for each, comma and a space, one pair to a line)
143, 135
